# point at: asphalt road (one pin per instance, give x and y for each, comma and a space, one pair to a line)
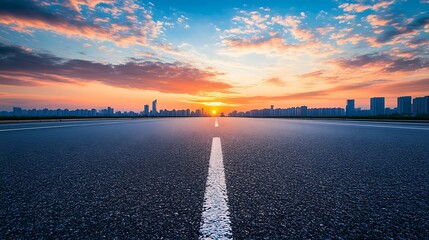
146, 179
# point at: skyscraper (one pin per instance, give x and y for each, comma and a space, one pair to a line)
350, 107
404, 105
146, 110
377, 106
154, 111
421, 105
110, 111
17, 111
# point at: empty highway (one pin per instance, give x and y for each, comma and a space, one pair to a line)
190, 178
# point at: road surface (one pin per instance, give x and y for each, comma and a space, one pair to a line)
231, 178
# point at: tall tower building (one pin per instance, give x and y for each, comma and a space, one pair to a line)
421, 105
404, 105
272, 111
350, 107
154, 111
377, 106
146, 110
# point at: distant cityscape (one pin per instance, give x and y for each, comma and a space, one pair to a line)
406, 106
108, 112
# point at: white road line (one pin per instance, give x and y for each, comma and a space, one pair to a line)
216, 124
61, 126
376, 126
215, 222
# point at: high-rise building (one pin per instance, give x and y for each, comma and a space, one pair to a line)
146, 110
421, 105
17, 111
110, 111
350, 107
154, 111
404, 105
377, 106
302, 111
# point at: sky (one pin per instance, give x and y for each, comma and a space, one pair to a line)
224, 54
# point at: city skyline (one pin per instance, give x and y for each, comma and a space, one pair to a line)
229, 55
110, 112
406, 106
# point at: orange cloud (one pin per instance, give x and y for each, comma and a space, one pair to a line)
277, 46
22, 67
312, 74
76, 4
275, 81
375, 21
365, 89
28, 16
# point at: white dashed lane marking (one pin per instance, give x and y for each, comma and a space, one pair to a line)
215, 222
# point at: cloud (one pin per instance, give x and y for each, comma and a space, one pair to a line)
410, 87
252, 19
345, 18
316, 94
275, 81
384, 62
369, 87
77, 4
292, 24
356, 89
277, 46
410, 28
376, 21
27, 16
359, 7
325, 30
24, 67
311, 74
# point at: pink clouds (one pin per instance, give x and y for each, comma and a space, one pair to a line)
345, 18
28, 17
312, 74
275, 40
275, 81
325, 30
76, 4
358, 7
375, 21
287, 21
277, 46
252, 19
